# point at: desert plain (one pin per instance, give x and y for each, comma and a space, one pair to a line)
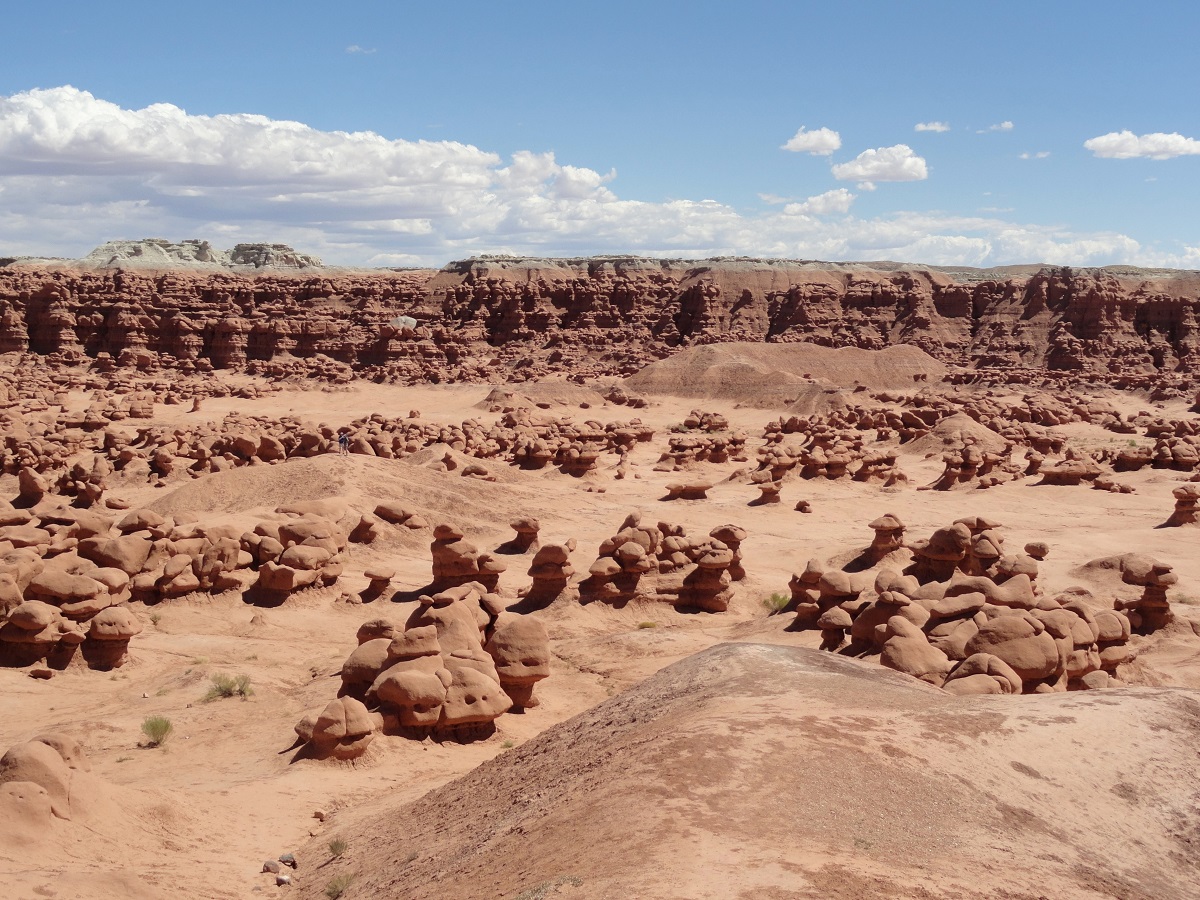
630, 578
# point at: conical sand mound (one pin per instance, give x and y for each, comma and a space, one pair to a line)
782, 374
951, 432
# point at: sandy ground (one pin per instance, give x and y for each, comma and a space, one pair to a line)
200, 816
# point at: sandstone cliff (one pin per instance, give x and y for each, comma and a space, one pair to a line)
489, 318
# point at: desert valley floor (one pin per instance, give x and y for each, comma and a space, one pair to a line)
950, 647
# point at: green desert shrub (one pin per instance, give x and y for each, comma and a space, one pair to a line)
157, 729
776, 602
337, 886
229, 686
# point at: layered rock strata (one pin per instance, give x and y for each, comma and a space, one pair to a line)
600, 316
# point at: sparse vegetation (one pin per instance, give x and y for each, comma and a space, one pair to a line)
776, 602
508, 745
647, 624
157, 729
337, 847
541, 891
337, 886
229, 686
155, 618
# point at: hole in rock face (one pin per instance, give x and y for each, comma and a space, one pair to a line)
470, 699
531, 662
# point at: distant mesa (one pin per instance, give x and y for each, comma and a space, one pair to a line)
161, 254
158, 253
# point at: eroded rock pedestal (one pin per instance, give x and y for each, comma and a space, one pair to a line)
458, 663
968, 616
661, 564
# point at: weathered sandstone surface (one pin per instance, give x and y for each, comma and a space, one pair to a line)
897, 790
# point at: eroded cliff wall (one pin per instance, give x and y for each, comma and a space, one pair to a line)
486, 319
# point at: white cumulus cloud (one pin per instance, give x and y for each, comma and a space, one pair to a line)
999, 126
897, 163
76, 170
1040, 154
1127, 145
821, 142
932, 126
72, 132
835, 201
354, 49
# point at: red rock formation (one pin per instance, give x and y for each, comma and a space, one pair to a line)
600, 316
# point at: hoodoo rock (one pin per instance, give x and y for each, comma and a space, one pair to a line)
551, 571
526, 538
342, 730
889, 537
962, 600
458, 663
1187, 506
1152, 610
660, 563
303, 551
456, 561
520, 647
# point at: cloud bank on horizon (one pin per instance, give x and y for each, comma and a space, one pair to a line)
76, 170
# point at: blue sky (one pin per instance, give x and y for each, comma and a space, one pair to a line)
562, 129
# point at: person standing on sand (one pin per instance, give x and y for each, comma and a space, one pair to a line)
344, 444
